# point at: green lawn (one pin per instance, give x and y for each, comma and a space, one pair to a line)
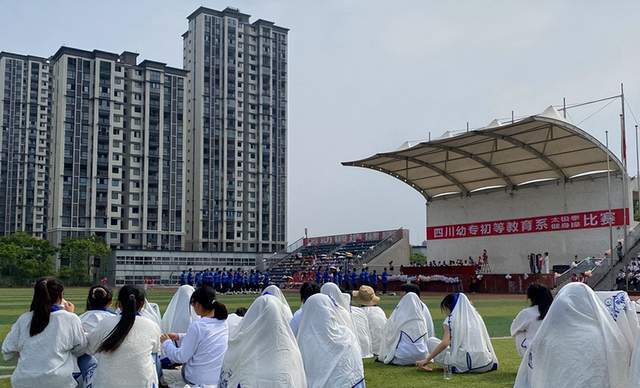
497, 311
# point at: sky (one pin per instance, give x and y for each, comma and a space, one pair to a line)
367, 75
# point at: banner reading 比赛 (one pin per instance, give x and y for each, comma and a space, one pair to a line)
537, 224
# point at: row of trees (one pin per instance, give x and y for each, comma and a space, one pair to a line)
24, 258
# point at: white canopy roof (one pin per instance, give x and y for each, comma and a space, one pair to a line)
537, 148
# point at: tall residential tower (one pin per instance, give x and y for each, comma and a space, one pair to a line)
117, 148
24, 135
236, 151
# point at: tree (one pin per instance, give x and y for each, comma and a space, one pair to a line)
417, 258
78, 254
23, 258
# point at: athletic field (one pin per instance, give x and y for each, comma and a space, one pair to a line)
497, 311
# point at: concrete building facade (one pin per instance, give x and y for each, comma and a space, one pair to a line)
237, 139
508, 253
24, 136
117, 149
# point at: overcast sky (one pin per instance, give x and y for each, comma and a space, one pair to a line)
364, 76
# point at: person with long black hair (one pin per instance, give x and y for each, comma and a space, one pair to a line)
201, 349
46, 339
123, 345
526, 324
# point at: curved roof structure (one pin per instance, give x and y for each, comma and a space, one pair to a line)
538, 148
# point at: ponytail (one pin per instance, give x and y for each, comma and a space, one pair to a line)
99, 298
206, 297
131, 299
46, 293
219, 311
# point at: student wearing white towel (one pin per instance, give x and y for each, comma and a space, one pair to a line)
201, 349
306, 291
465, 339
367, 300
526, 324
46, 339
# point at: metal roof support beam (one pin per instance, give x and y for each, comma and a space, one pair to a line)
478, 159
526, 147
438, 170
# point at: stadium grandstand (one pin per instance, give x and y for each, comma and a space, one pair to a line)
530, 185
346, 251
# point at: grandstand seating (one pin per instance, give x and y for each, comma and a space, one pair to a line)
310, 257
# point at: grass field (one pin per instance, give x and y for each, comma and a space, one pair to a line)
497, 311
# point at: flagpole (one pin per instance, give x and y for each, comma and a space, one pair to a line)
606, 134
625, 177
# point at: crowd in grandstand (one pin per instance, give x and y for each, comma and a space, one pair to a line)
196, 342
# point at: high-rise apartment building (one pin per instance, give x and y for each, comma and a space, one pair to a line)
24, 115
237, 132
117, 149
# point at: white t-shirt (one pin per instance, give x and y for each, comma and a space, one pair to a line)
524, 328
46, 359
201, 350
131, 365
91, 318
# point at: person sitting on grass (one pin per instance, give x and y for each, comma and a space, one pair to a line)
98, 303
528, 321
406, 332
273, 290
46, 339
179, 314
123, 345
306, 290
465, 339
366, 298
578, 345
201, 349
330, 350
263, 351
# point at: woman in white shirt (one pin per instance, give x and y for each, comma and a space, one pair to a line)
201, 349
98, 303
368, 301
466, 341
123, 345
45, 339
528, 321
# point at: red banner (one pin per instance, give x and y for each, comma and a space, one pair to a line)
537, 224
347, 238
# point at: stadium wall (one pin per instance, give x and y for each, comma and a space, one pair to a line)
399, 253
508, 253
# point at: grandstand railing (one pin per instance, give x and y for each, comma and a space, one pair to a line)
381, 247
605, 280
287, 253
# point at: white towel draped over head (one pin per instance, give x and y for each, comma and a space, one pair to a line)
577, 345
151, 311
330, 351
273, 290
471, 347
341, 299
623, 311
262, 351
411, 317
179, 314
